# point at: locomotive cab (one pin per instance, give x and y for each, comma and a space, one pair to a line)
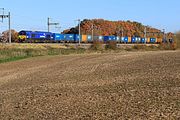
22, 36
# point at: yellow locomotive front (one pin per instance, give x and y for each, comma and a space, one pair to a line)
22, 36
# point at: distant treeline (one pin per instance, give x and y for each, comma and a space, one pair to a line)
118, 28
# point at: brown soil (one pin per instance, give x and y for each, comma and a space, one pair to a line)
127, 85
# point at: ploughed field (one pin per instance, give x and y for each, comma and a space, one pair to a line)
127, 85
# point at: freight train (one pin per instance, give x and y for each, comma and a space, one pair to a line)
38, 36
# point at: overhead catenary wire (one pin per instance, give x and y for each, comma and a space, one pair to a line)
64, 25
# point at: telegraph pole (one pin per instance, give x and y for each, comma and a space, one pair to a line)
92, 27
50, 24
118, 31
79, 31
122, 34
164, 37
99, 30
145, 34
9, 17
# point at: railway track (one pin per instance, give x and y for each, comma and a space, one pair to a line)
83, 44
68, 45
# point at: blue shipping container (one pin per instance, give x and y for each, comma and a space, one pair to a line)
109, 38
125, 39
89, 38
118, 38
100, 38
138, 39
122, 39
58, 37
152, 40
69, 37
76, 38
106, 38
143, 40
133, 39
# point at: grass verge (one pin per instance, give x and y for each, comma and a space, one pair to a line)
13, 54
21, 51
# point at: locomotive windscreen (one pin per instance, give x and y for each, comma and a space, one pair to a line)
22, 33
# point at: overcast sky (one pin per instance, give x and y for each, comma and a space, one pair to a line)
32, 14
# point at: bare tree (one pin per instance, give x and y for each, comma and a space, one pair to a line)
2, 38
14, 36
